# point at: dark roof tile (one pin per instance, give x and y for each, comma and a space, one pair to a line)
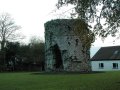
107, 53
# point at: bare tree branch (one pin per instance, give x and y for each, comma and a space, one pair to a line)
8, 29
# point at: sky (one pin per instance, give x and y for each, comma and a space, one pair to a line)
32, 14
29, 14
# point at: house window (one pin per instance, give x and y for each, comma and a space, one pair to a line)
101, 65
115, 65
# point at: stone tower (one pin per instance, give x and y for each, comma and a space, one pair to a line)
63, 49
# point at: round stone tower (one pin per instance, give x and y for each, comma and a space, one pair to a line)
63, 48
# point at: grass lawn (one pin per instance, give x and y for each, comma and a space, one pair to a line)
29, 81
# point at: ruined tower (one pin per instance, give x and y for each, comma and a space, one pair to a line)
63, 48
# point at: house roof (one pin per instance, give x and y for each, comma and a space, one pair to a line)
107, 53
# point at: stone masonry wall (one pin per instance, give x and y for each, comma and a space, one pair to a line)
63, 49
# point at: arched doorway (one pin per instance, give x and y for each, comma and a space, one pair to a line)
58, 58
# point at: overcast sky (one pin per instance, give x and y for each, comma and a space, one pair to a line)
32, 14
29, 14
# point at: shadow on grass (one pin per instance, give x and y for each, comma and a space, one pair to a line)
65, 73
118, 82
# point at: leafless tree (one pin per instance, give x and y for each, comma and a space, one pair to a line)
8, 29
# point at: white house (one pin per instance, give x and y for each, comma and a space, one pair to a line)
106, 59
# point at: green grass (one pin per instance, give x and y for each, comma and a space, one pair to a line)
29, 81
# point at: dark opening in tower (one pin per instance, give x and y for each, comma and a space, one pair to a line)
57, 56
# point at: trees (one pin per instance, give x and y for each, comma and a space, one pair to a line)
24, 57
37, 49
97, 11
31, 56
7, 29
12, 49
